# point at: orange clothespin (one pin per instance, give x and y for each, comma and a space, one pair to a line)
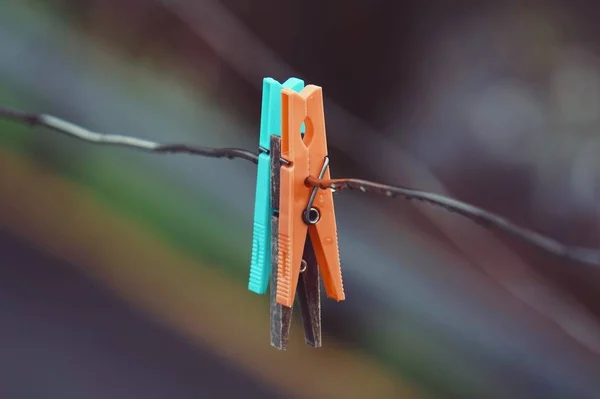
303, 209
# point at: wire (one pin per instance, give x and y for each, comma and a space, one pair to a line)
478, 215
70, 129
487, 219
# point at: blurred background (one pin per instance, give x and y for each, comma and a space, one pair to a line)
123, 274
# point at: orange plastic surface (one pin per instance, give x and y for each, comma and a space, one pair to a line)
306, 157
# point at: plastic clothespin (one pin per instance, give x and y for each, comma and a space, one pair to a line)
270, 124
304, 210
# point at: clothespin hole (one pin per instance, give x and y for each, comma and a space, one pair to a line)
308, 131
312, 216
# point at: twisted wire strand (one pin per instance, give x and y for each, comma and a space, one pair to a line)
70, 129
478, 215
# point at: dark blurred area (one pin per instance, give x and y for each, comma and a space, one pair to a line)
496, 103
54, 347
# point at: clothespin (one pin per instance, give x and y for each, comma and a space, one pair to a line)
270, 124
302, 211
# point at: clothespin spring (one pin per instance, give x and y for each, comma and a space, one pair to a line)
311, 215
303, 266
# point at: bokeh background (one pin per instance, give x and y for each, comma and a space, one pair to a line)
123, 274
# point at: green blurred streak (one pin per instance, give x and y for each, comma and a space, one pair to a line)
14, 135
193, 225
183, 222
414, 356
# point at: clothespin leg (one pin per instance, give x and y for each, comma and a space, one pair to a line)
308, 297
259, 266
281, 316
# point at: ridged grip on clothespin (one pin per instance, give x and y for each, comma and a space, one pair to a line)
270, 124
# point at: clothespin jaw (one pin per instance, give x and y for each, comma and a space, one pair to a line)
270, 124
306, 156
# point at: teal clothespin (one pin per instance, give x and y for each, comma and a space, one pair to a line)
270, 124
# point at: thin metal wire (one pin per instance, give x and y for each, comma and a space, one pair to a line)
70, 129
487, 219
478, 215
